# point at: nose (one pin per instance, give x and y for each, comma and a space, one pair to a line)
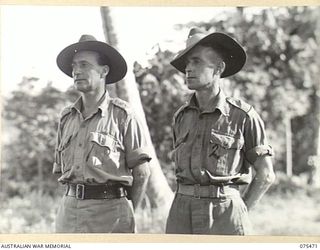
75, 70
188, 68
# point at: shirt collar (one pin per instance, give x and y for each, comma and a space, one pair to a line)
77, 106
102, 104
219, 102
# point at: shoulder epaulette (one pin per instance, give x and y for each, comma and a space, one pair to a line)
239, 104
121, 104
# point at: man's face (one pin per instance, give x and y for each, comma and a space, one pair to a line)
201, 66
88, 75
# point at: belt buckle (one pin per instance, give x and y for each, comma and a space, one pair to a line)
217, 194
80, 191
214, 191
196, 191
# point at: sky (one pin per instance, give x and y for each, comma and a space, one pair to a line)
32, 36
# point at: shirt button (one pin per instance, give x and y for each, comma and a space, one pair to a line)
77, 167
198, 136
80, 144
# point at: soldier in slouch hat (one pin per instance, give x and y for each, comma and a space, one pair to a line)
216, 141
101, 150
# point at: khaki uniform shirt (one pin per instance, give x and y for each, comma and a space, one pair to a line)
219, 143
102, 148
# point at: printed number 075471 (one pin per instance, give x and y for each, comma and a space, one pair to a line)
308, 245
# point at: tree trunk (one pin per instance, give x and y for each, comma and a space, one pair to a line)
288, 146
118, 89
159, 192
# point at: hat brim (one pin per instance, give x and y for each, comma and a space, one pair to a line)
111, 57
231, 52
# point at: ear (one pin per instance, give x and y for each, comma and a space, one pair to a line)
105, 71
221, 67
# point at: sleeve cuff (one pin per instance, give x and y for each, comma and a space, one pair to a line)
56, 168
254, 153
138, 156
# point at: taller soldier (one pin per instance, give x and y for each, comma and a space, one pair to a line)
101, 149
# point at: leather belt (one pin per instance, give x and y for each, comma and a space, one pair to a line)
208, 191
83, 192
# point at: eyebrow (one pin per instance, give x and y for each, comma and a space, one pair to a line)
81, 61
194, 58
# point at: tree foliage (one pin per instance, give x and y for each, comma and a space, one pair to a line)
32, 115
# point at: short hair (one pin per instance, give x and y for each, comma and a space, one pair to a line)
214, 58
102, 60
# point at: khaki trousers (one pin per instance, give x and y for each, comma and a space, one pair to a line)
95, 216
212, 216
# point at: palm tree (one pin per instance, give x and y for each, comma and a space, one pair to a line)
159, 193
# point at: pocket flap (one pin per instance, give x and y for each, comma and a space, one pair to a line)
102, 140
226, 141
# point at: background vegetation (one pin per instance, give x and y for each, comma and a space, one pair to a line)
280, 80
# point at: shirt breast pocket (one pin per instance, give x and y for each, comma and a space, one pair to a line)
224, 152
104, 151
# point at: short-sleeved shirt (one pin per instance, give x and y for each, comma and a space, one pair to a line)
218, 144
103, 147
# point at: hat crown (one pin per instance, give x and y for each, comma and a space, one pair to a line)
194, 31
195, 35
86, 38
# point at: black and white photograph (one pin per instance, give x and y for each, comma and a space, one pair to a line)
160, 120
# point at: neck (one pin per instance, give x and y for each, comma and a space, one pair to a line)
90, 100
204, 96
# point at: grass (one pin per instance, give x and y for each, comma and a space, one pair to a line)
30, 214
288, 214
292, 214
